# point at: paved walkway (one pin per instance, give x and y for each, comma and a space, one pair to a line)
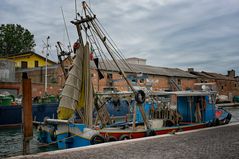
217, 142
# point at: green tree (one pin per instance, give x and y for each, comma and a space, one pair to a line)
15, 39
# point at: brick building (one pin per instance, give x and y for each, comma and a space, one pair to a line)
55, 79
226, 84
142, 75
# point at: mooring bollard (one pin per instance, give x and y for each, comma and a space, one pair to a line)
27, 113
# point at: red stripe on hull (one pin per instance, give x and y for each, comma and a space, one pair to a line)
134, 135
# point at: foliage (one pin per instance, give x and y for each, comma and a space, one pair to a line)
15, 39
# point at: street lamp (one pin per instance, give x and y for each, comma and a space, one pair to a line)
47, 54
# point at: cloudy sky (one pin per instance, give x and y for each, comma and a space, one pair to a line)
169, 33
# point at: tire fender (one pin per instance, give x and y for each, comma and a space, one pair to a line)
140, 97
111, 139
124, 137
97, 139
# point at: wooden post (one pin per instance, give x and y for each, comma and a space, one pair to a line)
27, 113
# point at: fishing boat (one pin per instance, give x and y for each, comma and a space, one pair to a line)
153, 113
173, 112
11, 110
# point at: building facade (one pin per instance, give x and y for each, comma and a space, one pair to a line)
29, 60
143, 76
226, 84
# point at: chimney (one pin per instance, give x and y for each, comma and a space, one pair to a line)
135, 60
231, 73
190, 70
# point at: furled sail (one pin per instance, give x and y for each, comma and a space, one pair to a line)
76, 92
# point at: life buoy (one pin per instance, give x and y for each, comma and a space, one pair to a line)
124, 137
140, 97
111, 138
97, 139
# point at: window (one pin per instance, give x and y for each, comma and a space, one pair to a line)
36, 64
235, 85
24, 64
179, 81
110, 83
109, 75
222, 87
133, 81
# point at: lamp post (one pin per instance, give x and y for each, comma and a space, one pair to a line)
47, 54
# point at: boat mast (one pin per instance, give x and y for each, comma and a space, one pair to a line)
90, 19
62, 54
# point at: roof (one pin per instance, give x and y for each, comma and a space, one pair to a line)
185, 93
147, 69
27, 54
201, 74
211, 75
135, 58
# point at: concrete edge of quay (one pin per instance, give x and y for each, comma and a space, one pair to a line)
78, 149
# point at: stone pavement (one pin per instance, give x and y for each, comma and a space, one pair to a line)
217, 142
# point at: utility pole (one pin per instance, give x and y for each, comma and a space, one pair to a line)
47, 54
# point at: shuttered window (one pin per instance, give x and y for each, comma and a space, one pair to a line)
23, 64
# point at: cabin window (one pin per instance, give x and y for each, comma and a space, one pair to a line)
133, 81
24, 64
222, 87
36, 64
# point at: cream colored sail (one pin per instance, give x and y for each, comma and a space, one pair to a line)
72, 88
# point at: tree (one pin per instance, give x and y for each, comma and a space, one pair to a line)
15, 39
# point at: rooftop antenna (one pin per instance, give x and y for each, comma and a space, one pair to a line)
67, 33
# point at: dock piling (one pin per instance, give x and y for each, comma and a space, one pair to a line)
27, 113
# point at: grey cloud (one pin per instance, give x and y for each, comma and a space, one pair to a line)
201, 34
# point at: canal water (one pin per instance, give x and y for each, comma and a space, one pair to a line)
11, 139
11, 143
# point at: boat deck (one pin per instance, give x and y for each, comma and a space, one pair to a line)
215, 142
